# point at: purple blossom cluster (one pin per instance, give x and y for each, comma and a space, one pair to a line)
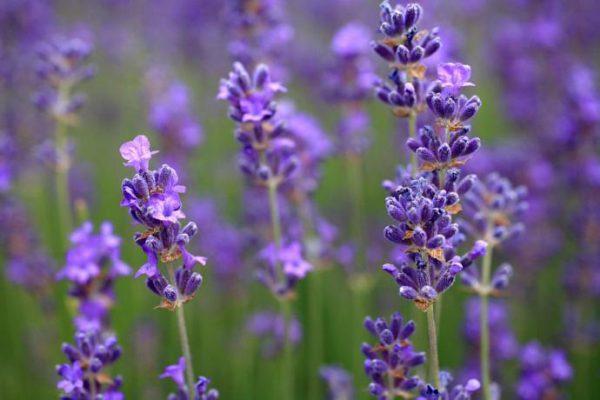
62, 66
389, 362
176, 373
271, 329
170, 115
542, 372
339, 382
92, 264
153, 199
85, 376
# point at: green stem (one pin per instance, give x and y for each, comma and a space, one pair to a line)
288, 366
183, 337
412, 132
287, 370
62, 183
315, 341
434, 363
354, 171
484, 326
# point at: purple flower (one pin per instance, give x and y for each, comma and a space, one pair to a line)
152, 197
176, 373
92, 353
92, 264
284, 268
454, 76
542, 372
137, 153
458, 392
339, 382
352, 40
271, 328
61, 67
389, 362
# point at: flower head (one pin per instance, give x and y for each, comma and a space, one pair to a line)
137, 153
454, 76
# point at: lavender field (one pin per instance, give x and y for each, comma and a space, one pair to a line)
302, 199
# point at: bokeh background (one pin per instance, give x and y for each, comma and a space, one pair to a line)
525, 56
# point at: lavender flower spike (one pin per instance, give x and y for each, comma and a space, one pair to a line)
388, 363
85, 373
152, 197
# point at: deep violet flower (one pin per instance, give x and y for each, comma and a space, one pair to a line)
152, 197
92, 264
266, 156
339, 382
176, 372
389, 362
85, 373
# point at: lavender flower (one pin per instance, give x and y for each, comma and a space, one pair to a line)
92, 264
176, 372
542, 372
494, 207
293, 268
62, 66
339, 382
458, 392
388, 363
152, 197
405, 48
171, 117
348, 82
425, 229
85, 373
265, 156
271, 328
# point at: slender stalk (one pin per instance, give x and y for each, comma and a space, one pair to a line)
484, 326
288, 366
183, 337
62, 183
354, 164
412, 132
434, 363
287, 371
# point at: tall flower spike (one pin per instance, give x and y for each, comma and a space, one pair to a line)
152, 197
389, 362
542, 372
339, 383
92, 264
85, 373
62, 65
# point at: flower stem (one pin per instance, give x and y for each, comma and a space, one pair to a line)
183, 337
484, 326
287, 370
288, 366
62, 183
354, 171
434, 363
412, 132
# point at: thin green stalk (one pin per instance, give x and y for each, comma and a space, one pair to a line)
354, 170
62, 183
315, 340
183, 337
287, 370
412, 132
484, 326
288, 366
434, 363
